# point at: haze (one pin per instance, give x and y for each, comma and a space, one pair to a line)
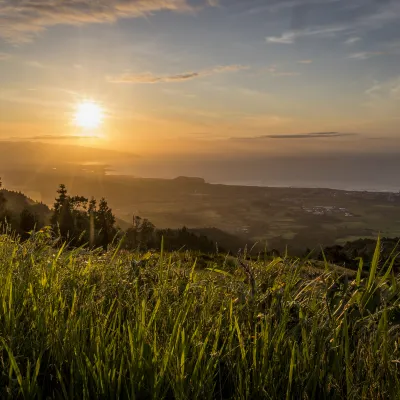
186, 87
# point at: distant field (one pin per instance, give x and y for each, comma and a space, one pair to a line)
276, 217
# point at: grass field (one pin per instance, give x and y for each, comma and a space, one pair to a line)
76, 324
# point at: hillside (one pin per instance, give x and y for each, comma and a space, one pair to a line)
127, 325
350, 253
17, 201
175, 317
210, 240
275, 218
23, 215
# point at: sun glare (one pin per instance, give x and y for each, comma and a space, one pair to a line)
88, 115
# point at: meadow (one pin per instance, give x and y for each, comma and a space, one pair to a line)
80, 324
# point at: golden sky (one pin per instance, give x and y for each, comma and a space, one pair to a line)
178, 76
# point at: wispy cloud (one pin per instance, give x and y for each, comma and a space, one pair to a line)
4, 56
352, 40
283, 5
275, 71
312, 135
35, 64
384, 90
291, 36
305, 61
374, 89
151, 78
380, 14
365, 55
59, 137
288, 73
22, 20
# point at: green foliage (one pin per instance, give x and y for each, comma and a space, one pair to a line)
104, 223
20, 214
27, 223
143, 235
79, 221
365, 249
3, 202
79, 324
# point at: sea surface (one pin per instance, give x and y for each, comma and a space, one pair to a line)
326, 184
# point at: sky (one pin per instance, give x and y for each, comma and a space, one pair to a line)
204, 77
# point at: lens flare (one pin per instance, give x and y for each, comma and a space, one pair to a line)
88, 115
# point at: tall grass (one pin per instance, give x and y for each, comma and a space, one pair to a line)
84, 325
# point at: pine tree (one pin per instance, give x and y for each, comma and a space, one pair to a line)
62, 219
81, 221
105, 220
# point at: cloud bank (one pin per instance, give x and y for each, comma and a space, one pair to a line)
372, 16
151, 78
23, 20
311, 135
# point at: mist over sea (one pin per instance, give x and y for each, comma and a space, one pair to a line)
366, 172
327, 184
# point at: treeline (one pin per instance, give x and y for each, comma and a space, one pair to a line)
143, 235
80, 221
349, 254
20, 214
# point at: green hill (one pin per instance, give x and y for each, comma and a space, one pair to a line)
81, 324
17, 201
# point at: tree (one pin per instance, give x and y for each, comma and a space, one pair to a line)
104, 222
81, 221
27, 223
3, 202
141, 234
80, 216
147, 232
62, 218
92, 229
69, 217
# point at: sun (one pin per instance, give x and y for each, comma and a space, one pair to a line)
88, 115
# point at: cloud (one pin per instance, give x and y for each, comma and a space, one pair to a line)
286, 74
291, 36
283, 5
386, 90
4, 56
59, 137
23, 20
312, 135
276, 72
352, 40
378, 15
151, 78
35, 64
365, 55
305, 61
